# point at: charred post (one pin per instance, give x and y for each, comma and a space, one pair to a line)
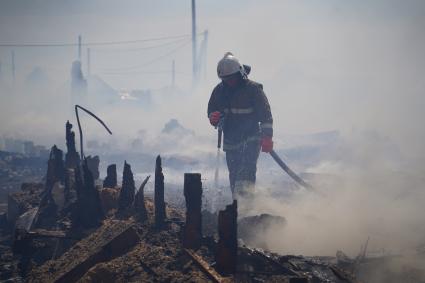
93, 165
192, 234
93, 205
139, 201
88, 212
55, 176
55, 168
128, 189
72, 159
111, 177
227, 246
159, 194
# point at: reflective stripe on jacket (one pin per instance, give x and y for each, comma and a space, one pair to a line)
247, 112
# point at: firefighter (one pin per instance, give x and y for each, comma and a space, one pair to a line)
247, 123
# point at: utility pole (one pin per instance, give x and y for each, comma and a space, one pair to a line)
173, 73
13, 66
204, 55
88, 62
194, 56
201, 60
79, 48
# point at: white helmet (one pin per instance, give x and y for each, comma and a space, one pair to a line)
229, 65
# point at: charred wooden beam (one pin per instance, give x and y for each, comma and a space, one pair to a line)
72, 159
192, 234
88, 210
139, 201
160, 214
116, 247
227, 246
93, 165
93, 204
111, 177
128, 189
55, 168
206, 268
48, 209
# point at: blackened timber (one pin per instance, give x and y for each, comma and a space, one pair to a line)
93, 165
227, 246
139, 201
117, 246
192, 234
111, 177
159, 194
48, 210
206, 268
128, 189
55, 168
93, 205
72, 159
88, 212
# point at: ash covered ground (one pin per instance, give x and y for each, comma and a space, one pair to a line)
66, 225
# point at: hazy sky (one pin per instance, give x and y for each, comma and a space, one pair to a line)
325, 65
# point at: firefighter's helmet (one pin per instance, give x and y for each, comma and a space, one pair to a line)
229, 65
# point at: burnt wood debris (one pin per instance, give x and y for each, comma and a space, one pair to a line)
128, 189
111, 177
160, 214
93, 165
48, 208
227, 246
72, 159
69, 229
192, 233
88, 211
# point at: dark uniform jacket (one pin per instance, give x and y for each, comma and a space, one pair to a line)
247, 113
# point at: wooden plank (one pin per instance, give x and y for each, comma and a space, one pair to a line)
116, 247
206, 268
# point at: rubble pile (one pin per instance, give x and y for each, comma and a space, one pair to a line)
16, 168
71, 229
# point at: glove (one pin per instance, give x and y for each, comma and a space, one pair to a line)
215, 118
267, 144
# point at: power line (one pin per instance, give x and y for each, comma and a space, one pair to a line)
147, 63
145, 73
91, 43
140, 48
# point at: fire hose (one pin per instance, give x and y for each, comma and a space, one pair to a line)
273, 154
288, 170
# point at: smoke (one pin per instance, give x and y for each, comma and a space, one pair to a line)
358, 195
356, 68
